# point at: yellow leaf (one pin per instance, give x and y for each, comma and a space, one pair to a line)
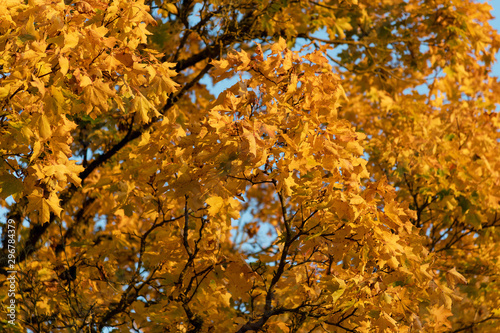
389, 320
441, 315
249, 136
85, 81
279, 47
37, 83
64, 64
44, 127
36, 150
289, 141
317, 58
226, 297
4, 91
215, 204
393, 262
453, 277
70, 41
144, 139
288, 183
36, 202
30, 27
53, 203
356, 200
171, 8
141, 105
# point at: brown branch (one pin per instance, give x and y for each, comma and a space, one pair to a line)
127, 298
471, 326
186, 230
268, 310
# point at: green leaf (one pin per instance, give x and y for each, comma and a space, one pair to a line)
464, 203
449, 137
27, 37
473, 219
80, 244
9, 185
313, 236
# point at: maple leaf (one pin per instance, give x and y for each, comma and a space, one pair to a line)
316, 187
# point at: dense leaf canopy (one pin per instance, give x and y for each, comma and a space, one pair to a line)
346, 180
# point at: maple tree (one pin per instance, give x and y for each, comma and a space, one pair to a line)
348, 180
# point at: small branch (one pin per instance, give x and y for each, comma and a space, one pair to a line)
186, 230
285, 221
471, 326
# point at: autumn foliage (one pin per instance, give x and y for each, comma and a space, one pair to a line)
346, 180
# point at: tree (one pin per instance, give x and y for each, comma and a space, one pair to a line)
361, 136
